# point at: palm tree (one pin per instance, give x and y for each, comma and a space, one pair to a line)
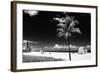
66, 27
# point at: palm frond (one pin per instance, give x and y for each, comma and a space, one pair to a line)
72, 17
76, 30
62, 20
76, 21
60, 29
59, 19
73, 24
68, 19
60, 34
61, 25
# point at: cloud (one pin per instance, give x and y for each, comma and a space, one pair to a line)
31, 12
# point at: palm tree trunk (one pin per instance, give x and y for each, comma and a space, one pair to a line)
69, 48
27, 45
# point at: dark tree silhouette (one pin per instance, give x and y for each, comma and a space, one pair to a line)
66, 26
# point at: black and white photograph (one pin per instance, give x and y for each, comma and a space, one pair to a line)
53, 36
56, 36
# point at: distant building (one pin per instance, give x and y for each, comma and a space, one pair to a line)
26, 47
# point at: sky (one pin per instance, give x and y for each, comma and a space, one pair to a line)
39, 26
